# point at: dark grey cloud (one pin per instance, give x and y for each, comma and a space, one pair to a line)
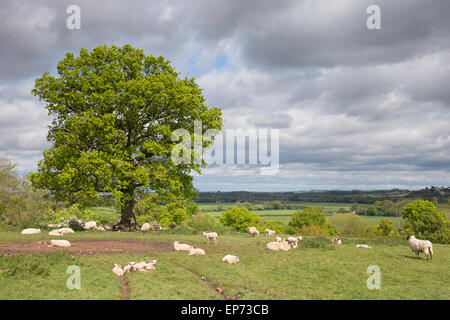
355, 108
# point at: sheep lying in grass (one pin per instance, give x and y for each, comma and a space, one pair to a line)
363, 246
196, 251
140, 266
418, 246
117, 270
211, 236
59, 243
279, 239
56, 232
277, 246
252, 231
66, 230
336, 240
230, 259
269, 232
293, 241
145, 227
88, 225
31, 231
181, 246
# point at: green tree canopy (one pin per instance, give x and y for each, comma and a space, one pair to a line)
113, 112
348, 224
310, 216
239, 218
423, 219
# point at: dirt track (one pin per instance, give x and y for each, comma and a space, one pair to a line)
87, 247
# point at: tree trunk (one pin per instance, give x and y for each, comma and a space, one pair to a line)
128, 219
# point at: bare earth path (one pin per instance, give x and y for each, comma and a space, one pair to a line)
87, 247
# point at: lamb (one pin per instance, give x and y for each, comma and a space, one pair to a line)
145, 227
283, 246
59, 243
100, 228
418, 246
293, 241
279, 239
252, 231
230, 259
88, 225
31, 231
129, 267
196, 251
363, 246
211, 236
117, 270
56, 232
66, 230
181, 246
269, 232
336, 240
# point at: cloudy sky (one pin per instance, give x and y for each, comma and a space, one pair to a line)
355, 108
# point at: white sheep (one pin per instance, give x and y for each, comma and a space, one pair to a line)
56, 232
252, 231
60, 243
269, 232
293, 241
128, 268
418, 246
66, 230
363, 246
145, 227
181, 246
117, 270
336, 240
196, 251
211, 236
88, 225
279, 239
31, 231
283, 246
230, 259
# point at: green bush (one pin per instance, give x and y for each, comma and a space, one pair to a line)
239, 219
348, 224
422, 219
205, 222
310, 216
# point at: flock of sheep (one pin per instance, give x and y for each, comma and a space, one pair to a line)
280, 244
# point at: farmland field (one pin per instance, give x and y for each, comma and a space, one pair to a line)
284, 215
315, 270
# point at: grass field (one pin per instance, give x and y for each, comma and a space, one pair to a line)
284, 215
315, 270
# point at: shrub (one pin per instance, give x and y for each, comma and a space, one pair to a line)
239, 218
205, 222
424, 221
314, 231
348, 224
310, 216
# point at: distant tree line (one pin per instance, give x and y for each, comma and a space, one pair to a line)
434, 194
